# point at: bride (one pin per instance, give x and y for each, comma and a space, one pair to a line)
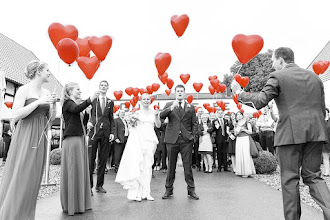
135, 169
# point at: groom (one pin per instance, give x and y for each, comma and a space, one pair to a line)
101, 132
179, 137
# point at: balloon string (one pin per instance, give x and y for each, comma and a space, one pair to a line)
239, 69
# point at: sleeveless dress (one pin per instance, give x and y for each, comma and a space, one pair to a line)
244, 162
25, 166
205, 142
135, 169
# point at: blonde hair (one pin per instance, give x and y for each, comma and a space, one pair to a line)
33, 67
66, 91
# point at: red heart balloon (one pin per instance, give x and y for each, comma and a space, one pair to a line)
228, 113
247, 47
136, 99
68, 50
184, 78
100, 46
215, 83
156, 107
223, 107
212, 90
235, 98
206, 105
179, 24
142, 90
222, 88
209, 109
320, 67
219, 103
132, 102
150, 90
84, 48
136, 91
214, 109
88, 65
242, 110
152, 99
129, 91
168, 92
239, 106
9, 104
238, 78
170, 83
118, 94
244, 81
163, 78
57, 32
162, 61
190, 98
116, 108
155, 86
198, 86
127, 104
259, 112
213, 77
196, 108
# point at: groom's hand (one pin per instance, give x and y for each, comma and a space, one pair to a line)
175, 104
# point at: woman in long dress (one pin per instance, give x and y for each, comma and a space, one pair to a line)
135, 169
244, 163
34, 108
205, 143
75, 190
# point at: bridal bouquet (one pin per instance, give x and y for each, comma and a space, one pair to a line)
132, 120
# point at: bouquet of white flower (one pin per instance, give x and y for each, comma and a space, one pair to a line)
132, 119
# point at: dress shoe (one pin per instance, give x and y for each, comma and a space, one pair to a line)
193, 195
226, 170
167, 195
92, 193
100, 189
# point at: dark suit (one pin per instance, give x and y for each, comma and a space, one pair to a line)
103, 126
300, 133
196, 160
120, 135
220, 142
180, 133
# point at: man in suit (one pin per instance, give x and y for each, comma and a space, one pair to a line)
300, 132
219, 126
101, 132
120, 136
180, 133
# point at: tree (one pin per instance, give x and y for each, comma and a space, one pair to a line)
258, 70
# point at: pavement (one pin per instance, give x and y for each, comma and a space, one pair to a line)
223, 196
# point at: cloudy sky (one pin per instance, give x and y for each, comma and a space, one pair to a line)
141, 28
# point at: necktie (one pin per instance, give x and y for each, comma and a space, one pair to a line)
180, 108
103, 104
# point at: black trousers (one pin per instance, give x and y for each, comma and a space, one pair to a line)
101, 145
306, 156
5, 153
266, 140
196, 160
118, 149
164, 156
222, 153
185, 149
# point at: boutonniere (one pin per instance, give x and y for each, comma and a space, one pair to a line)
109, 101
188, 105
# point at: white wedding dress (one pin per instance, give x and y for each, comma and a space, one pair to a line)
135, 169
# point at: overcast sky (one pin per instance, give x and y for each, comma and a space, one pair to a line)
142, 28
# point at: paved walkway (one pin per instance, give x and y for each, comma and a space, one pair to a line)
223, 196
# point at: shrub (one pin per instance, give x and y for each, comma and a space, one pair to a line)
265, 163
55, 156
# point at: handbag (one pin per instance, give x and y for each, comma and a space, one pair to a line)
253, 148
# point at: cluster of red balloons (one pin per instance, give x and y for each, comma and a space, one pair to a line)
70, 48
135, 92
216, 86
320, 67
222, 105
257, 114
243, 81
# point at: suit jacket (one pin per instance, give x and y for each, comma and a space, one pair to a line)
105, 119
71, 114
119, 130
185, 124
299, 96
219, 138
